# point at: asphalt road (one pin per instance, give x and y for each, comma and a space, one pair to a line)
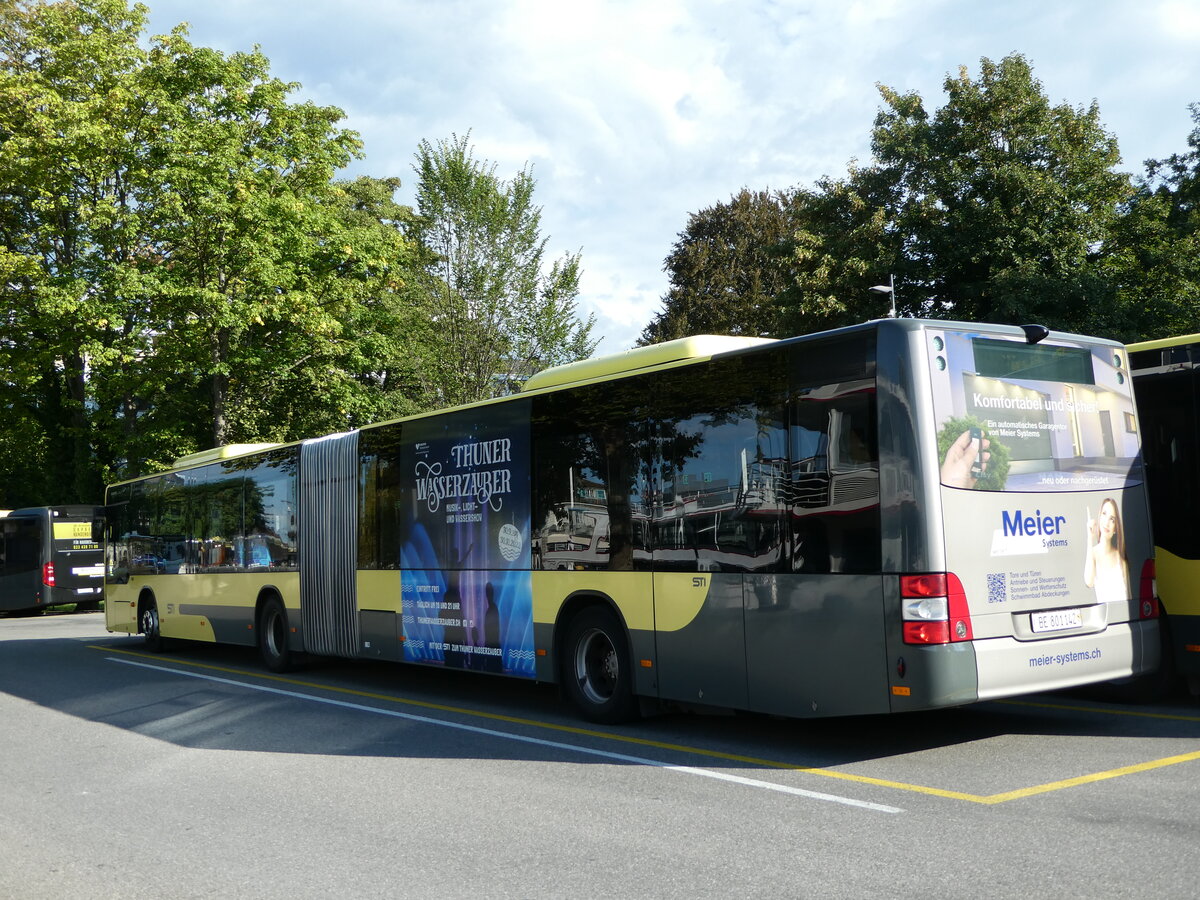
195, 773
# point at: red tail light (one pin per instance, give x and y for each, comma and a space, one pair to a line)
934, 609
931, 584
1148, 592
927, 632
48, 574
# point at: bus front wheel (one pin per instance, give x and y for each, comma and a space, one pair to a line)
597, 671
148, 625
273, 636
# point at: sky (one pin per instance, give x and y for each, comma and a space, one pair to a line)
636, 113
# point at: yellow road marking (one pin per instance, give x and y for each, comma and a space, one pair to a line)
987, 799
1089, 779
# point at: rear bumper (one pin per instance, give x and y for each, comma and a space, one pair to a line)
56, 596
1008, 667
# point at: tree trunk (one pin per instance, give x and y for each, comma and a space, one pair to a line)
220, 387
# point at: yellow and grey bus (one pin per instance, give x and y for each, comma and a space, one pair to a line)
1167, 391
899, 515
51, 556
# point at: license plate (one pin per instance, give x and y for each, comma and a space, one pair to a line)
87, 590
1056, 620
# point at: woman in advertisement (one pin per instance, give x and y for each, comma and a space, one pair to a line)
1105, 568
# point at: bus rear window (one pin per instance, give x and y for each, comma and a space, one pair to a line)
1014, 416
1034, 362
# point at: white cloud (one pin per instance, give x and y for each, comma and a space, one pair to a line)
1179, 20
636, 114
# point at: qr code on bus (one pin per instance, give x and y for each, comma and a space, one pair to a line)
997, 590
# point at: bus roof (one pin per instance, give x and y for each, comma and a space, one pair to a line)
1164, 343
228, 451
699, 346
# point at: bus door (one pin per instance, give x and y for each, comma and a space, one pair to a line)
20, 563
814, 619
704, 441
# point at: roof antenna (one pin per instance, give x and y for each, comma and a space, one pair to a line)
1035, 334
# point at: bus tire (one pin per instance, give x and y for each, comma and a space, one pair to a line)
149, 624
597, 671
273, 636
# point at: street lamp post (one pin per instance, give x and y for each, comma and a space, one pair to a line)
890, 290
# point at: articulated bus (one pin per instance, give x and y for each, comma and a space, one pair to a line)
50, 556
1166, 383
895, 516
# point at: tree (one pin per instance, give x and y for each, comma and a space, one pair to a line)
247, 232
843, 242
178, 266
1154, 258
996, 207
499, 315
367, 366
725, 269
71, 197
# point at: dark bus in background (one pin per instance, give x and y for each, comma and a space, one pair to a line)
1166, 386
51, 556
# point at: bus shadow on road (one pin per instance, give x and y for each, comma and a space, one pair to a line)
219, 697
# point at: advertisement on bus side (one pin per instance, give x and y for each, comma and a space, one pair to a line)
466, 590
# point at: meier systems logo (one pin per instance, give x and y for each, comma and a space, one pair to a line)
1020, 533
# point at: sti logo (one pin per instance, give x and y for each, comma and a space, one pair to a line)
1017, 524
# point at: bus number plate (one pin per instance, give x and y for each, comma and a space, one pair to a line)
1056, 620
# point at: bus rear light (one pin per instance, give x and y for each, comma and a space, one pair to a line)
928, 609
931, 584
1148, 592
927, 632
48, 574
934, 609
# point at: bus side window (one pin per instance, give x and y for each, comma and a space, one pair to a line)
721, 441
269, 528
117, 521
833, 454
379, 497
581, 506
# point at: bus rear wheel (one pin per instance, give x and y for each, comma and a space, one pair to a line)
273, 636
597, 671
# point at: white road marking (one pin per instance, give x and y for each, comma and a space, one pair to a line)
541, 742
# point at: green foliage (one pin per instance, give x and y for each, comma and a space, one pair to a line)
995, 473
179, 268
70, 219
499, 316
1154, 258
842, 243
996, 207
725, 270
